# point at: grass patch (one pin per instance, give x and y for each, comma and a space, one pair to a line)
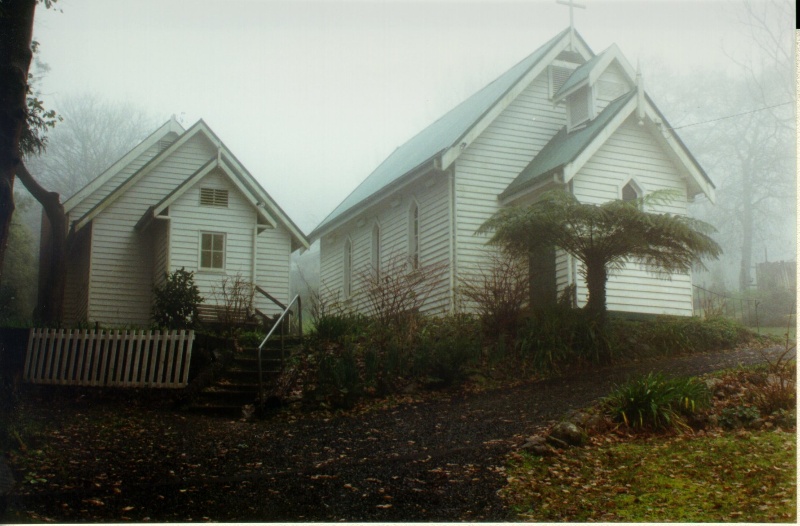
744, 476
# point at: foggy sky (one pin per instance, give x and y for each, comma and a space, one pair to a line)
312, 96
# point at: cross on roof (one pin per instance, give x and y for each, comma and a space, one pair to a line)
571, 4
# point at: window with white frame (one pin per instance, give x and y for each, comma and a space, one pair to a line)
348, 269
413, 236
631, 191
212, 250
376, 250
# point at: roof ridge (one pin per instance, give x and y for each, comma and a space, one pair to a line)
441, 134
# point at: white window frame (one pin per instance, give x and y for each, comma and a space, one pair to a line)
414, 236
347, 268
212, 251
376, 249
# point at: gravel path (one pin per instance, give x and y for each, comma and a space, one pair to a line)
431, 461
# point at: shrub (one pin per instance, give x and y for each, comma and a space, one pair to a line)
738, 416
652, 402
337, 327
235, 297
553, 339
499, 291
175, 301
446, 346
668, 335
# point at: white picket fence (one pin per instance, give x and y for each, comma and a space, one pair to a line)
109, 358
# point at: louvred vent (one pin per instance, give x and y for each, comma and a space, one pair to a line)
213, 197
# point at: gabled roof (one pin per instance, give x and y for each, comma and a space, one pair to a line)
567, 152
588, 73
564, 147
229, 165
171, 126
444, 134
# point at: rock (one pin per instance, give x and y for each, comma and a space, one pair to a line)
557, 442
713, 384
568, 433
537, 445
534, 441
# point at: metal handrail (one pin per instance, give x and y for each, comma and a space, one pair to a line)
267, 337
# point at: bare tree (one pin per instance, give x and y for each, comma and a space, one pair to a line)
741, 127
93, 134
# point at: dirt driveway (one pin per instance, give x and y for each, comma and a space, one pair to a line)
437, 460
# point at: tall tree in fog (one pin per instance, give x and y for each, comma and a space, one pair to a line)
94, 134
741, 128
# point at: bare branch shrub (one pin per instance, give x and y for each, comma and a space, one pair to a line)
234, 298
499, 291
395, 294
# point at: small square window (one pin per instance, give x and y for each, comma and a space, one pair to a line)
212, 251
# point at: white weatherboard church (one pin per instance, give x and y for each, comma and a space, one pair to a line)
564, 117
179, 199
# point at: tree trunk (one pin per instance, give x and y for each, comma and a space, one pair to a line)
596, 279
52, 271
16, 32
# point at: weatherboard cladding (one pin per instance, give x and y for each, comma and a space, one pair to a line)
442, 134
630, 153
564, 147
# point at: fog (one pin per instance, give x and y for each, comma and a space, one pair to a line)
312, 96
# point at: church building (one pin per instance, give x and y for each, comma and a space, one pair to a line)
564, 117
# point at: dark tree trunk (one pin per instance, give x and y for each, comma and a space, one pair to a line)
16, 32
596, 280
52, 264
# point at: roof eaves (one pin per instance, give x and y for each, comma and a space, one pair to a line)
455, 140
329, 223
149, 165
170, 126
561, 141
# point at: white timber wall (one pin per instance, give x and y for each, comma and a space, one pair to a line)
273, 263
120, 177
189, 220
612, 84
431, 194
119, 250
494, 160
632, 153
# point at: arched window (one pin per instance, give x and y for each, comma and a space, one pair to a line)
376, 250
413, 236
631, 191
348, 268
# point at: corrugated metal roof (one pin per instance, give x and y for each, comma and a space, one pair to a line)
565, 147
439, 136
